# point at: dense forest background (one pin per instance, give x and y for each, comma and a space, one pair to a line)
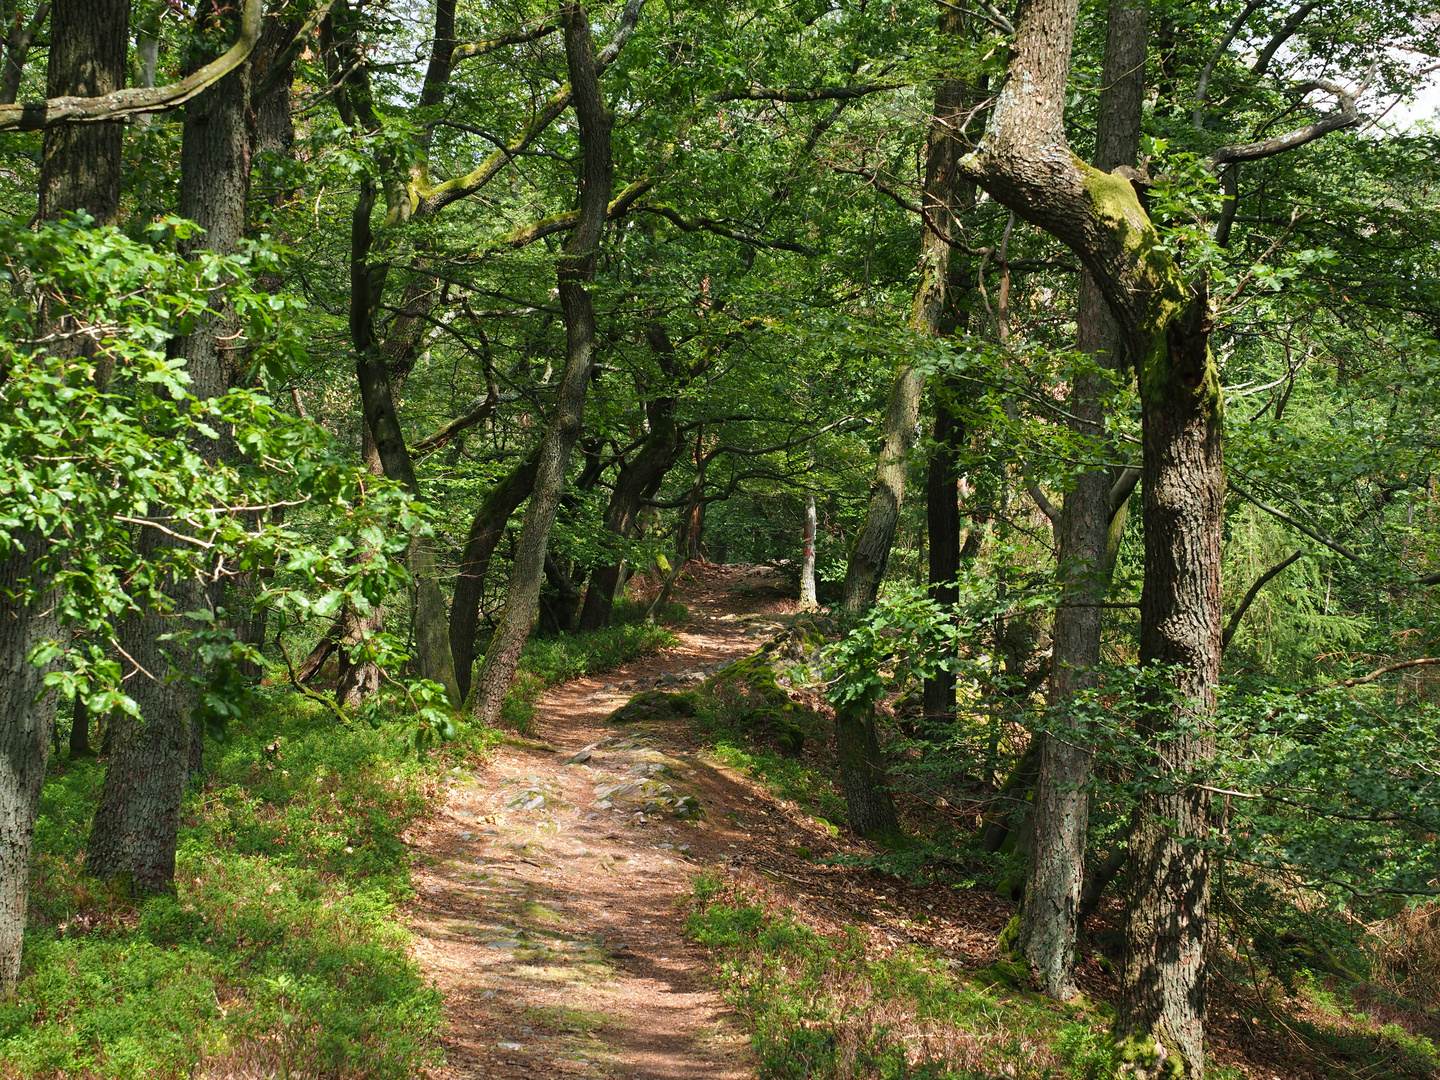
1076, 361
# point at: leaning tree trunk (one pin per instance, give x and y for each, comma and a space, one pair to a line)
486, 531
1025, 163
136, 827
637, 481
1049, 921
856, 738
575, 271
27, 716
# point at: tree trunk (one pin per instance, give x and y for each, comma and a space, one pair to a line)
808, 600
942, 514
26, 721
1163, 982
871, 550
136, 824
355, 680
639, 480
17, 50
80, 168
485, 534
575, 271
862, 774
80, 732
1024, 162
1049, 921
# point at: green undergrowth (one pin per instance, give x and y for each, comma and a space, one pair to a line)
830, 1008
549, 661
633, 611
283, 952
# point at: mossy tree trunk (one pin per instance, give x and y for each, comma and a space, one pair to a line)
1049, 921
1025, 163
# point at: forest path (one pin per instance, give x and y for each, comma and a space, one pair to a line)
547, 910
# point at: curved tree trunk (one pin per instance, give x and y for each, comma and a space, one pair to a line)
1024, 162
485, 534
1049, 921
575, 271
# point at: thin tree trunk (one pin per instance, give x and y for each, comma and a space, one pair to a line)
639, 479
808, 601
856, 736
1049, 921
942, 514
486, 531
576, 270
26, 721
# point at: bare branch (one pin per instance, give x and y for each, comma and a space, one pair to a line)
1249, 598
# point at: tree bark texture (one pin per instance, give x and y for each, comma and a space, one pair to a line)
862, 774
1024, 162
808, 601
89, 40
1183, 491
135, 830
576, 269
26, 722
1049, 920
486, 531
942, 518
639, 479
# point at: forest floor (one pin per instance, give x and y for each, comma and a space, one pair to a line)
553, 896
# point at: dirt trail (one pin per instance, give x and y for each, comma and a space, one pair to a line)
548, 886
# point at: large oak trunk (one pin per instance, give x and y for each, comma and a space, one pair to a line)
136, 825
1024, 162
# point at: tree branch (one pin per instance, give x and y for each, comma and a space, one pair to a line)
795, 94
708, 225
33, 116
287, 56
533, 30
1347, 115
1282, 516
538, 230
1249, 598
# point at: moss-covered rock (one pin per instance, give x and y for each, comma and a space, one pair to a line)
654, 705
768, 714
